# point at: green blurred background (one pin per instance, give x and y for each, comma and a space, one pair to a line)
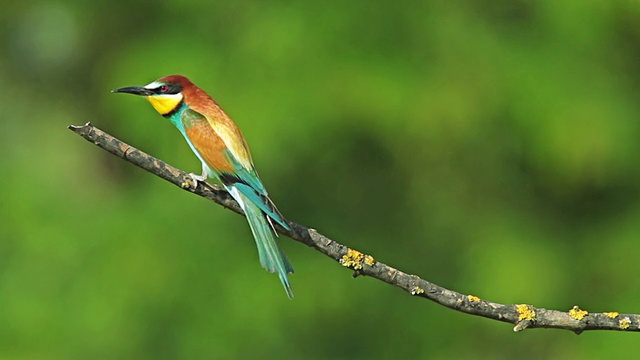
488, 146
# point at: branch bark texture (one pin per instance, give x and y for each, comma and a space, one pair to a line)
523, 316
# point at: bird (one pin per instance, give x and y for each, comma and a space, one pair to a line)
217, 142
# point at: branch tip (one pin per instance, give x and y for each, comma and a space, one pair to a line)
521, 325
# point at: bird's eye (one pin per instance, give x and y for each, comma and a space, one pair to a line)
164, 88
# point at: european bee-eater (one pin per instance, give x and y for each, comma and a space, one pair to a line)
216, 140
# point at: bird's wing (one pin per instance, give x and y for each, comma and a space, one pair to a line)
222, 147
205, 141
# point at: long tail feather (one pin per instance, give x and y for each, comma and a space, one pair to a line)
271, 256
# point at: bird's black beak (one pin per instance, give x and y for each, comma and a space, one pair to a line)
135, 90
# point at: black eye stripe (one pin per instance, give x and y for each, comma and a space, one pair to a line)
172, 89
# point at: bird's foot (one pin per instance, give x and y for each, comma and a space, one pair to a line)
197, 178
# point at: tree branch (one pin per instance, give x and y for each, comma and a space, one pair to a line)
522, 315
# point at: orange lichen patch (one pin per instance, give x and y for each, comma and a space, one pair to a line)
526, 312
417, 290
473, 298
625, 323
612, 314
578, 313
369, 260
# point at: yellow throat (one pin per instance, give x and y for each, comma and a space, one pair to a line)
164, 104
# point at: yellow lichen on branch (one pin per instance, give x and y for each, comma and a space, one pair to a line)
473, 298
417, 290
625, 323
578, 313
369, 260
612, 314
354, 259
526, 312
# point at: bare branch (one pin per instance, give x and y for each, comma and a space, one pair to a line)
522, 315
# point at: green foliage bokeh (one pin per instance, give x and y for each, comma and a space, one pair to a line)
488, 146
